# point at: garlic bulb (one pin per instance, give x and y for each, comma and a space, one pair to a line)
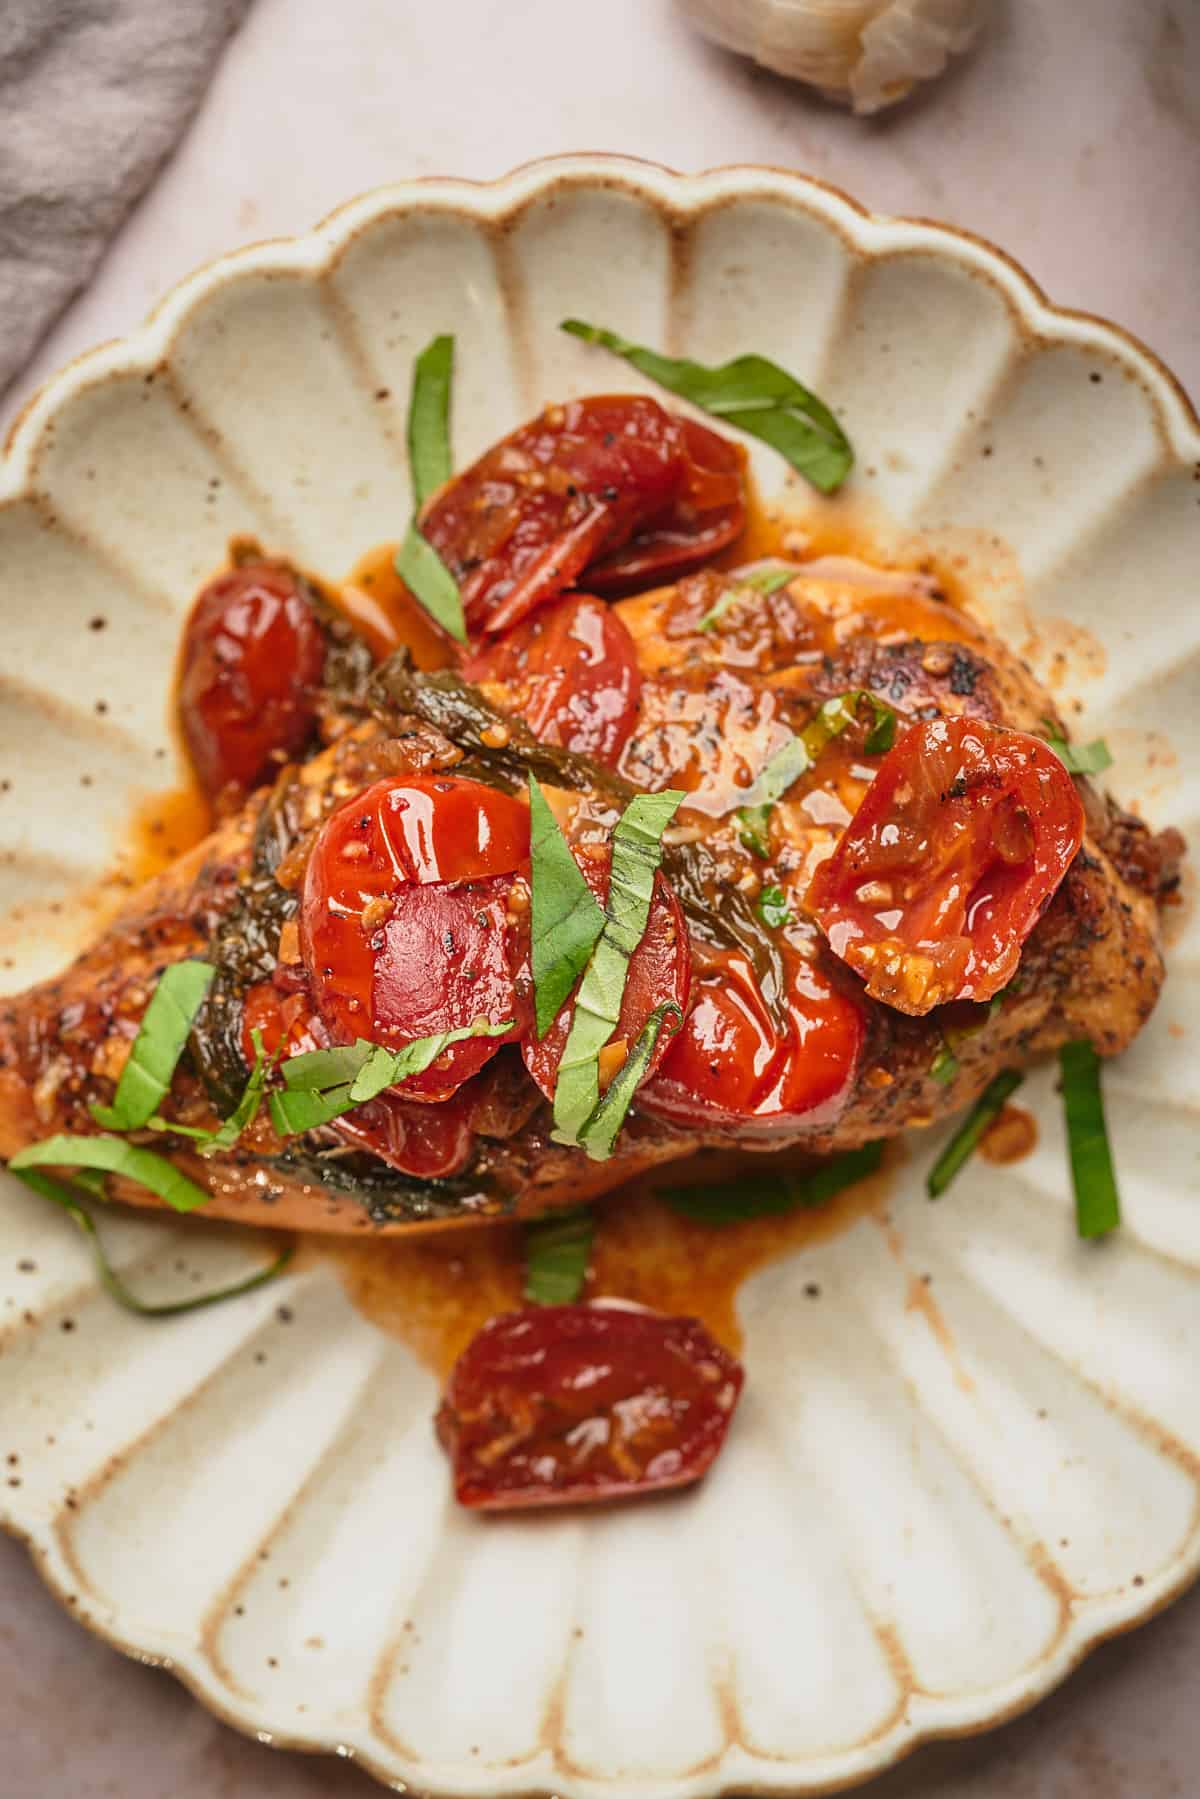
866, 53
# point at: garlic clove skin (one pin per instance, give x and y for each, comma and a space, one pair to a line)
867, 54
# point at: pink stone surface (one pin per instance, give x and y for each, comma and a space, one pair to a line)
1072, 139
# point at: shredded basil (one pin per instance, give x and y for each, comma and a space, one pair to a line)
213, 1143
773, 908
1082, 758
115, 1156
965, 1140
1097, 1202
599, 1134
324, 1083
429, 580
636, 854
763, 1195
111, 1281
431, 464
753, 394
147, 1075
556, 1257
430, 460
565, 919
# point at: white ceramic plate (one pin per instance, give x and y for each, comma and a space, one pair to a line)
913, 1530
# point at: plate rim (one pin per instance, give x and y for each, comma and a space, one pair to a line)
498, 201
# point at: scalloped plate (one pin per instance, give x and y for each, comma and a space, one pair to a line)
927, 1513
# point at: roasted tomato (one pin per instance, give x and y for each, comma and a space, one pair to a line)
430, 1142
419, 1139
659, 970
574, 486
558, 1405
954, 854
404, 918
709, 515
253, 655
571, 672
733, 1067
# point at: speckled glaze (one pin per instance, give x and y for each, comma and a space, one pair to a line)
979, 1452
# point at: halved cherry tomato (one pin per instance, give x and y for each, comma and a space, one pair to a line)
253, 655
520, 525
660, 969
571, 672
417, 1138
732, 1067
430, 1142
558, 1405
710, 515
954, 854
404, 918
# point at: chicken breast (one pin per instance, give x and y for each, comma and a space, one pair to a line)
715, 703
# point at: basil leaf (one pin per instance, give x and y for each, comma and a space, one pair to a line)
556, 1258
636, 854
764, 1195
799, 753
965, 1140
111, 1281
384, 1067
429, 580
565, 920
944, 1067
147, 1075
755, 395
600, 1133
755, 830
762, 580
115, 1156
1097, 1202
304, 1109
882, 734
429, 458
322, 1084
773, 908
431, 464
212, 1143
1082, 758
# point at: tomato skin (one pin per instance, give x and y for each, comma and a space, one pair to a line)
571, 672
403, 920
564, 1405
576, 483
427, 1141
253, 656
660, 969
952, 857
732, 1067
709, 516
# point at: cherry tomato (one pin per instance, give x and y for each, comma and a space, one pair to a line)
571, 672
709, 516
574, 485
659, 970
403, 920
731, 1066
253, 655
430, 1142
417, 1138
558, 1405
284, 1022
954, 854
